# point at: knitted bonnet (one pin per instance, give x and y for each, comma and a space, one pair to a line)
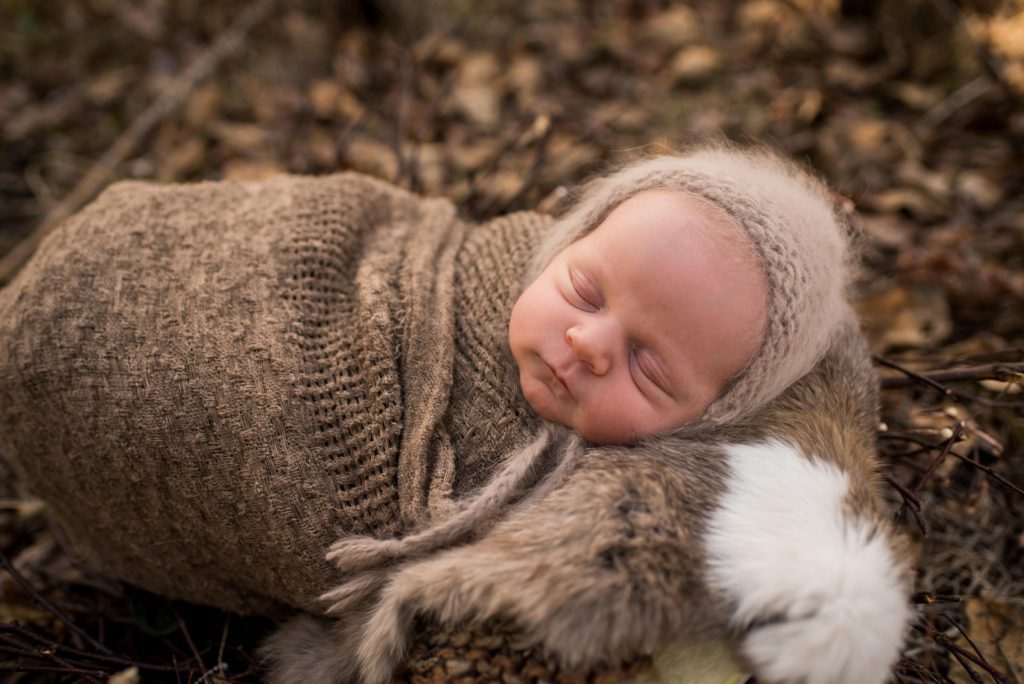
796, 229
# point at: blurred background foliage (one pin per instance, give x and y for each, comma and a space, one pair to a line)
912, 109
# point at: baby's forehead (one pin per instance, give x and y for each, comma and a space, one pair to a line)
685, 211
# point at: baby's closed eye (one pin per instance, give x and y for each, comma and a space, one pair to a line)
586, 294
644, 371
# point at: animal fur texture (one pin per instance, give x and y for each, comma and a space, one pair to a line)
769, 532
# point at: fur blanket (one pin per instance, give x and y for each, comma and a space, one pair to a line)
769, 533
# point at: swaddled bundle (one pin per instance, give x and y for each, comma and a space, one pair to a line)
210, 384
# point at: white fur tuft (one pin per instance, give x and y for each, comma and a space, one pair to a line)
817, 589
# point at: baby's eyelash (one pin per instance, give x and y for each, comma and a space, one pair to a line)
582, 290
635, 357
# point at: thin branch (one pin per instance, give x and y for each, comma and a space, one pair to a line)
43, 655
169, 100
928, 598
188, 639
60, 615
17, 629
910, 502
94, 674
990, 472
888, 363
1006, 372
223, 638
963, 633
947, 448
988, 61
947, 643
914, 439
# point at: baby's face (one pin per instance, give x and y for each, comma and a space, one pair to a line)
636, 328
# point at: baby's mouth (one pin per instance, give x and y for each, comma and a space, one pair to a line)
558, 379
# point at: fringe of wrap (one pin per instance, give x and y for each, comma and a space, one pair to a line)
369, 562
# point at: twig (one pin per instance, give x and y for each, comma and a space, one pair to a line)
5, 667
531, 176
43, 655
102, 170
914, 439
950, 11
990, 472
928, 598
971, 672
15, 628
223, 638
888, 363
908, 496
219, 668
406, 77
947, 448
27, 587
1007, 372
910, 502
957, 100
947, 643
963, 633
188, 639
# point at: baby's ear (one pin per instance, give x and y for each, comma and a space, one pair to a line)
819, 589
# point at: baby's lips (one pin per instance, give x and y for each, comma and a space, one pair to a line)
558, 378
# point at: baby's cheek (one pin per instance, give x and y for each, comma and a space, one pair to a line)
541, 399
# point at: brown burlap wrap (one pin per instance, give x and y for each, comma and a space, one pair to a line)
243, 372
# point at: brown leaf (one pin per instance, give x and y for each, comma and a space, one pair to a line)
182, 160
109, 86
673, 27
241, 138
914, 315
244, 170
127, 676
475, 93
997, 628
888, 230
430, 167
980, 189
321, 147
908, 199
525, 75
324, 94
369, 156
695, 63
203, 105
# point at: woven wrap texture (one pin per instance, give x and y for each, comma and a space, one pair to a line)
210, 383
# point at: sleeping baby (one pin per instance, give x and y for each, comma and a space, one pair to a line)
704, 269
314, 392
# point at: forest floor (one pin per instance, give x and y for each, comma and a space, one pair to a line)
912, 109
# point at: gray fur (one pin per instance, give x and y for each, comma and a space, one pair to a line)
611, 564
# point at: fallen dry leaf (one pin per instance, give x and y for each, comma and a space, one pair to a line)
997, 628
695, 63
915, 315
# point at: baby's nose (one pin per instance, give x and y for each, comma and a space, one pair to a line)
591, 348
